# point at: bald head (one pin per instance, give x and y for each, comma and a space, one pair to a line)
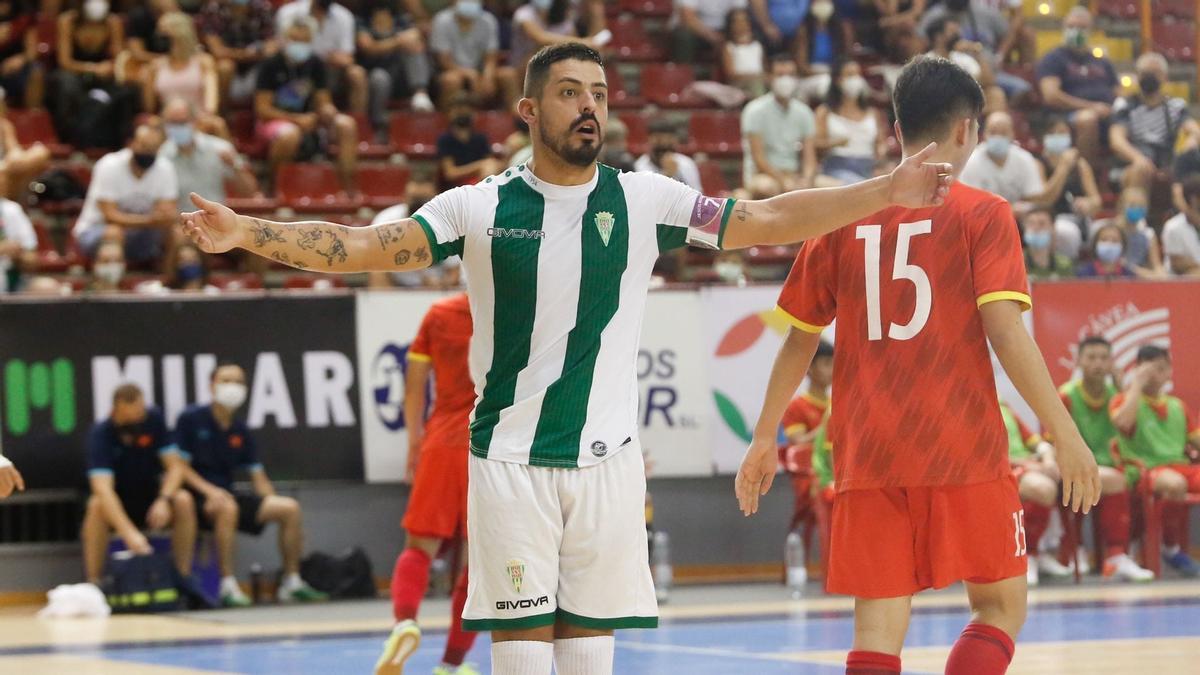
999, 124
178, 111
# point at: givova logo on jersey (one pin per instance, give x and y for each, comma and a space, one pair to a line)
515, 233
1127, 327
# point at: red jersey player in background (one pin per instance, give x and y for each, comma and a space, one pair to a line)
800, 422
925, 496
437, 467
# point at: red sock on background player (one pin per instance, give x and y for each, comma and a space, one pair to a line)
410, 579
1037, 519
981, 650
1174, 522
871, 663
1114, 523
458, 641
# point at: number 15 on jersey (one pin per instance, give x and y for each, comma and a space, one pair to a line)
901, 269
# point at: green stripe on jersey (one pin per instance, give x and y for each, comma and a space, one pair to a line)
439, 251
514, 276
564, 409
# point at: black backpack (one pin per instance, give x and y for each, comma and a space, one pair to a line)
346, 576
142, 584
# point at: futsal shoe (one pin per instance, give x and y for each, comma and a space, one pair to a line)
1182, 562
1123, 568
1082, 560
464, 669
234, 597
400, 645
1031, 572
301, 593
1048, 564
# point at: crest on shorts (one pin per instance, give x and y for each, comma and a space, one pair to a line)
516, 573
604, 223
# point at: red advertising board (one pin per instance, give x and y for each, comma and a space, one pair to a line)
1128, 313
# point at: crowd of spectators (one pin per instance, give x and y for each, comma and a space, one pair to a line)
1096, 157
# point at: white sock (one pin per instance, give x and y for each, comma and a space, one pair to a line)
292, 581
1170, 550
522, 657
229, 585
584, 656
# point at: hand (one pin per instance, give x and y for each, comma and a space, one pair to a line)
1083, 206
306, 121
757, 473
916, 183
1103, 110
159, 514
136, 541
214, 228
1143, 163
10, 479
1142, 375
1071, 157
1080, 475
12, 64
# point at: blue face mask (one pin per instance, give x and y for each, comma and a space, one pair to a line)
998, 146
541, 5
1135, 214
298, 52
190, 272
1109, 251
1056, 144
469, 9
180, 134
1038, 240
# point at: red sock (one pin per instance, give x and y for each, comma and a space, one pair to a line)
1037, 519
871, 663
409, 582
458, 641
1114, 523
981, 650
1174, 520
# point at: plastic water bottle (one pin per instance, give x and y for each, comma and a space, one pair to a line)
661, 565
797, 573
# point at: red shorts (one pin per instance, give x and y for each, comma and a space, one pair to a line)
894, 542
1190, 473
437, 505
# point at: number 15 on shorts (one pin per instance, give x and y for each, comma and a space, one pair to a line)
1019, 531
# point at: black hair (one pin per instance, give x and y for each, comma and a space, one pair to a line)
938, 26
1094, 341
1147, 353
538, 70
833, 99
733, 13
932, 94
1096, 240
824, 350
1191, 188
223, 363
781, 57
558, 12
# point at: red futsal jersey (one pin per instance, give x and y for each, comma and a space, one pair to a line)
913, 373
444, 339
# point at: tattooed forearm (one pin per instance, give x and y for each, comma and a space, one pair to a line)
266, 232
284, 258
309, 238
402, 257
305, 244
336, 250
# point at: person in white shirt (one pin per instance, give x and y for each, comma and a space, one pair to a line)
663, 157
698, 26
18, 241
334, 41
1181, 236
132, 199
202, 162
1002, 167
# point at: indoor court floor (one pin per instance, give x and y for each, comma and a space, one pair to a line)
1093, 628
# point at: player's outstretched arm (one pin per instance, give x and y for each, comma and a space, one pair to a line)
316, 246
761, 461
804, 214
1021, 359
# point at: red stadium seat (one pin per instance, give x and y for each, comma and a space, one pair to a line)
47, 37
382, 186
367, 147
1180, 9
712, 178
652, 8
1122, 10
257, 204
631, 43
497, 125
716, 133
416, 134
241, 126
312, 188
637, 138
49, 260
618, 94
663, 84
33, 125
1176, 40
319, 282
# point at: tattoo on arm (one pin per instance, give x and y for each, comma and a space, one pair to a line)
264, 233
422, 255
742, 211
389, 234
402, 257
309, 238
336, 250
284, 258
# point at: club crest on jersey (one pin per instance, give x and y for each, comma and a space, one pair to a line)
604, 223
516, 573
599, 448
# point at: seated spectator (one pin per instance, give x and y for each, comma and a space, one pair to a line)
185, 72
1041, 260
132, 199
1020, 43
18, 241
1181, 234
897, 20
333, 42
46, 286
465, 41
22, 164
1000, 166
821, 41
203, 163
980, 23
1187, 164
946, 41
21, 72
240, 35
1107, 257
188, 269
393, 52
464, 154
1071, 191
135, 473
1141, 244
743, 59
776, 130
89, 41
1079, 84
615, 152
546, 22
144, 41
697, 28
1147, 125
664, 157
293, 105
1158, 430
108, 268
217, 444
853, 133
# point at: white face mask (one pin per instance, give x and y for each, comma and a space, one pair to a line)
854, 86
821, 10
729, 272
109, 272
230, 395
785, 86
95, 10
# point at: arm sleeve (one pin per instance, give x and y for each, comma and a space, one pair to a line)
444, 220
250, 460
493, 43
99, 456
809, 298
420, 349
164, 442
997, 264
1174, 241
105, 183
185, 436
349, 32
700, 221
1049, 66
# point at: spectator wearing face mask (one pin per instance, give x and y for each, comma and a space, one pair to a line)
980, 23
1147, 125
334, 42
1181, 234
393, 52
1002, 167
108, 268
853, 133
88, 42
1107, 255
820, 42
1071, 191
1041, 260
777, 130
18, 241
946, 41
189, 270
1078, 83
464, 154
203, 163
465, 41
546, 22
132, 198
663, 157
185, 72
1141, 244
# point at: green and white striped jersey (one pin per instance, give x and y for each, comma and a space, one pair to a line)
558, 277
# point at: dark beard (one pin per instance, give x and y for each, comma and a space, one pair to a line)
582, 156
